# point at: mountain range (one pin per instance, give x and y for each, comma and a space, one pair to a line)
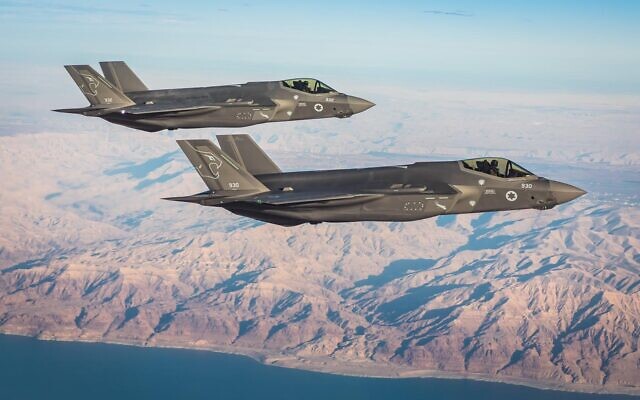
88, 252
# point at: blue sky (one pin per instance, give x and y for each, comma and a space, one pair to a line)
571, 46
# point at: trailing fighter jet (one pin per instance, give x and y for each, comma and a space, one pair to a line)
244, 180
120, 97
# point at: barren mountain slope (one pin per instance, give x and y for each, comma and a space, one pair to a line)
89, 252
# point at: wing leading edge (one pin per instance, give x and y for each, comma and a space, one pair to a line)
300, 198
318, 199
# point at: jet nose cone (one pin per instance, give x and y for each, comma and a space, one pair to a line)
563, 192
358, 105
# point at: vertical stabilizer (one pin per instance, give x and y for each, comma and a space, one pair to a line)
99, 91
219, 171
122, 77
243, 149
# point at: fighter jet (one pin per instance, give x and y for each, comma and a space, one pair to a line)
244, 180
120, 97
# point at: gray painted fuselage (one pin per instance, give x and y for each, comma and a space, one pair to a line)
403, 193
123, 99
240, 105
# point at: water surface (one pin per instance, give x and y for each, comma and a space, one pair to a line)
33, 369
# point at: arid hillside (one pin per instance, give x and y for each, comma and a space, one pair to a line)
89, 252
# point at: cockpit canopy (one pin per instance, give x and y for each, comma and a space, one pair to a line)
306, 85
500, 167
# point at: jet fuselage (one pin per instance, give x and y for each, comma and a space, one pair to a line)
406, 193
123, 99
240, 105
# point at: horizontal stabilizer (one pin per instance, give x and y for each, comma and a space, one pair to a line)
214, 199
88, 111
196, 198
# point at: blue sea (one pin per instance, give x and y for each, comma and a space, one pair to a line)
33, 369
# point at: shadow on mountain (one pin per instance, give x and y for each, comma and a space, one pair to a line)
161, 179
133, 220
80, 319
103, 280
481, 292
23, 283
167, 318
414, 299
275, 329
139, 171
286, 301
36, 262
237, 281
546, 267
129, 314
481, 237
394, 270
246, 326
53, 195
445, 220
302, 314
583, 319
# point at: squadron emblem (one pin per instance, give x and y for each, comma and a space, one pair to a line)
213, 164
90, 85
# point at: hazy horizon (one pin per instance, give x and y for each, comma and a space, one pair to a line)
582, 47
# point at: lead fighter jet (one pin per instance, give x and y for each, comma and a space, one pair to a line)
245, 181
120, 97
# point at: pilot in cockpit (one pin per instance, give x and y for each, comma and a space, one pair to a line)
493, 169
301, 85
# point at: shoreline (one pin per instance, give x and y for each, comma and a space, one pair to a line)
362, 369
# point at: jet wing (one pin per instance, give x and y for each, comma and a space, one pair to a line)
151, 109
154, 109
318, 199
300, 198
